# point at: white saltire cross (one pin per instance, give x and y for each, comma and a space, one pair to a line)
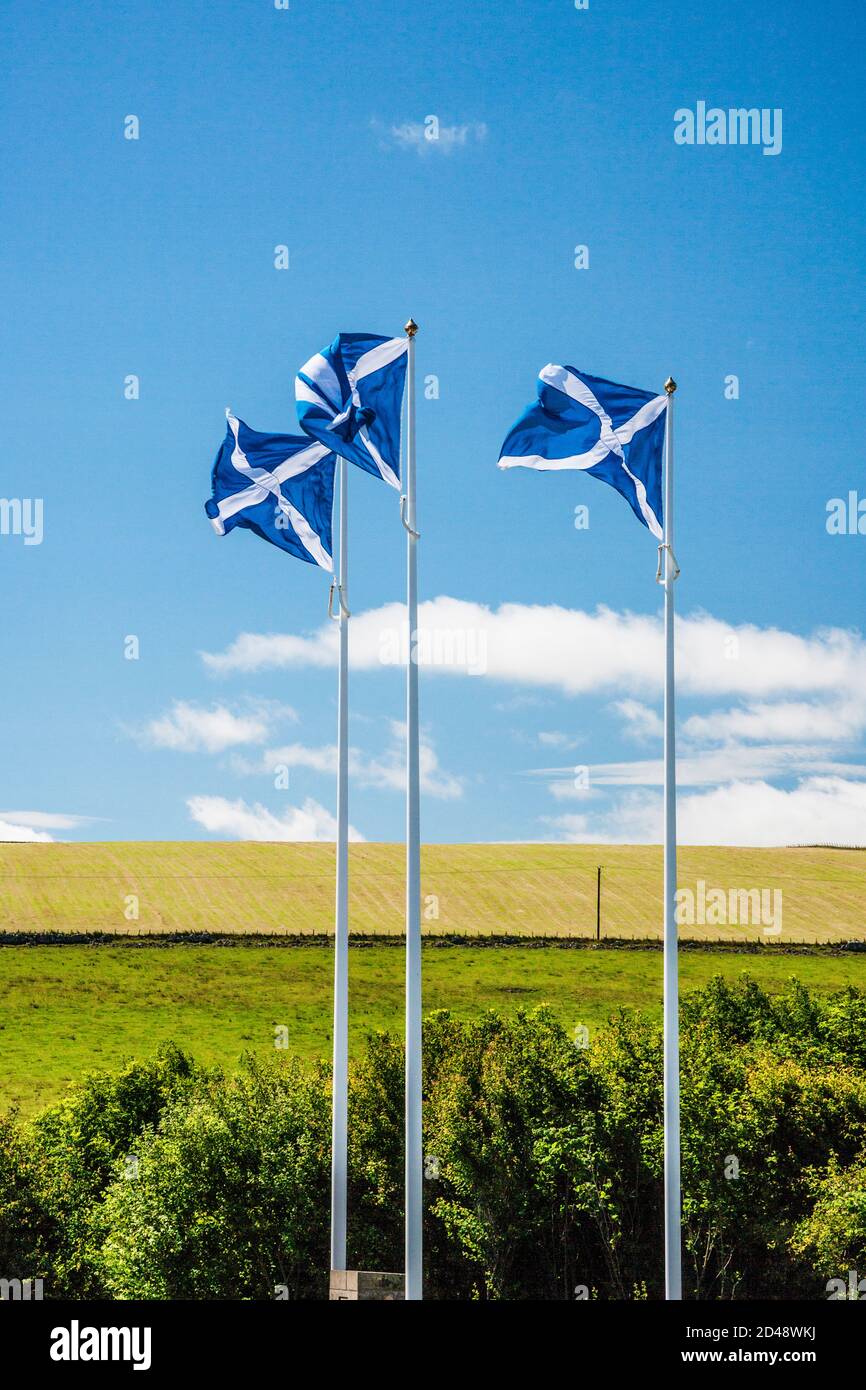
611, 440
263, 482
326, 389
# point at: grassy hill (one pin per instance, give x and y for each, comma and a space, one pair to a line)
529, 890
69, 1009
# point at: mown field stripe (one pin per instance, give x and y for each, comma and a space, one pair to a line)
511, 889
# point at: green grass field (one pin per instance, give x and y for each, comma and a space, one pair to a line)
64, 1009
469, 889
68, 1009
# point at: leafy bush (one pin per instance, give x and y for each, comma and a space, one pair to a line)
53, 1173
833, 1234
544, 1163
231, 1194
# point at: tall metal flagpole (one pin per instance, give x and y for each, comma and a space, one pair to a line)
673, 1234
339, 1111
414, 1156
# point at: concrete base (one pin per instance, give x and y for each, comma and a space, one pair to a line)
365, 1283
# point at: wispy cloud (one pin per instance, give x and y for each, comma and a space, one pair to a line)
709, 767
238, 821
834, 721
818, 810
554, 738
430, 136
386, 771
642, 722
190, 728
390, 770
33, 827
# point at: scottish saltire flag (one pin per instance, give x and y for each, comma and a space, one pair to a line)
279, 485
350, 398
616, 433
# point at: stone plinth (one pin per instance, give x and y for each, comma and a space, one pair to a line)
365, 1283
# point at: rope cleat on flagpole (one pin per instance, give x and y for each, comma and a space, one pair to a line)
344, 611
414, 534
660, 578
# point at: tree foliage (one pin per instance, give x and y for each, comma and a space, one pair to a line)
543, 1162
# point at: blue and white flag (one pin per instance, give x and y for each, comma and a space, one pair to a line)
616, 433
350, 398
279, 485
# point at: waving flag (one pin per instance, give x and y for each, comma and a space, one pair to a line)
616, 433
279, 485
350, 397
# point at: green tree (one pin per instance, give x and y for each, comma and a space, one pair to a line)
231, 1194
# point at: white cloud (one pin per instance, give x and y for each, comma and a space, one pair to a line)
32, 827
189, 728
430, 136
45, 820
390, 771
642, 722
575, 830
291, 755
554, 738
387, 771
819, 810
794, 701
23, 833
253, 651
575, 652
787, 721
238, 821
710, 767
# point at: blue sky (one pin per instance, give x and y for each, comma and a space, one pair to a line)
304, 127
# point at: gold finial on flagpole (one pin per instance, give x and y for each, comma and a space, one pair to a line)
670, 386
411, 328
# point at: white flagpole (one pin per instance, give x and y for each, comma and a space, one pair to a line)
673, 1205
340, 1093
414, 1155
